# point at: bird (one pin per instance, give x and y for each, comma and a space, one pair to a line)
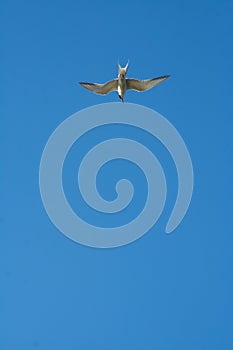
121, 84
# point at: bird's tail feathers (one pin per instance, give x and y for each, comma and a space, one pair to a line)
122, 70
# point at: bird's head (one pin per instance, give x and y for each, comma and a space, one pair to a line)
122, 71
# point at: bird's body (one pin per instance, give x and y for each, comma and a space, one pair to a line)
121, 87
121, 84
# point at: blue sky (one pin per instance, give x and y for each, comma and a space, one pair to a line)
163, 292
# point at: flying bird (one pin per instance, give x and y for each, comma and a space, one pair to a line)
121, 84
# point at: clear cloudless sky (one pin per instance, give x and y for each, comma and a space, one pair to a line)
167, 292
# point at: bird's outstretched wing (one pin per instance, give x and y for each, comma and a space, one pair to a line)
102, 89
142, 85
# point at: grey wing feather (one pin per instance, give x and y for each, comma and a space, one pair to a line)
143, 85
102, 89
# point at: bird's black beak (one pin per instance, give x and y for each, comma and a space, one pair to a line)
122, 99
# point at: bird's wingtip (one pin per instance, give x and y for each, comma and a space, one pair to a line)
86, 83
